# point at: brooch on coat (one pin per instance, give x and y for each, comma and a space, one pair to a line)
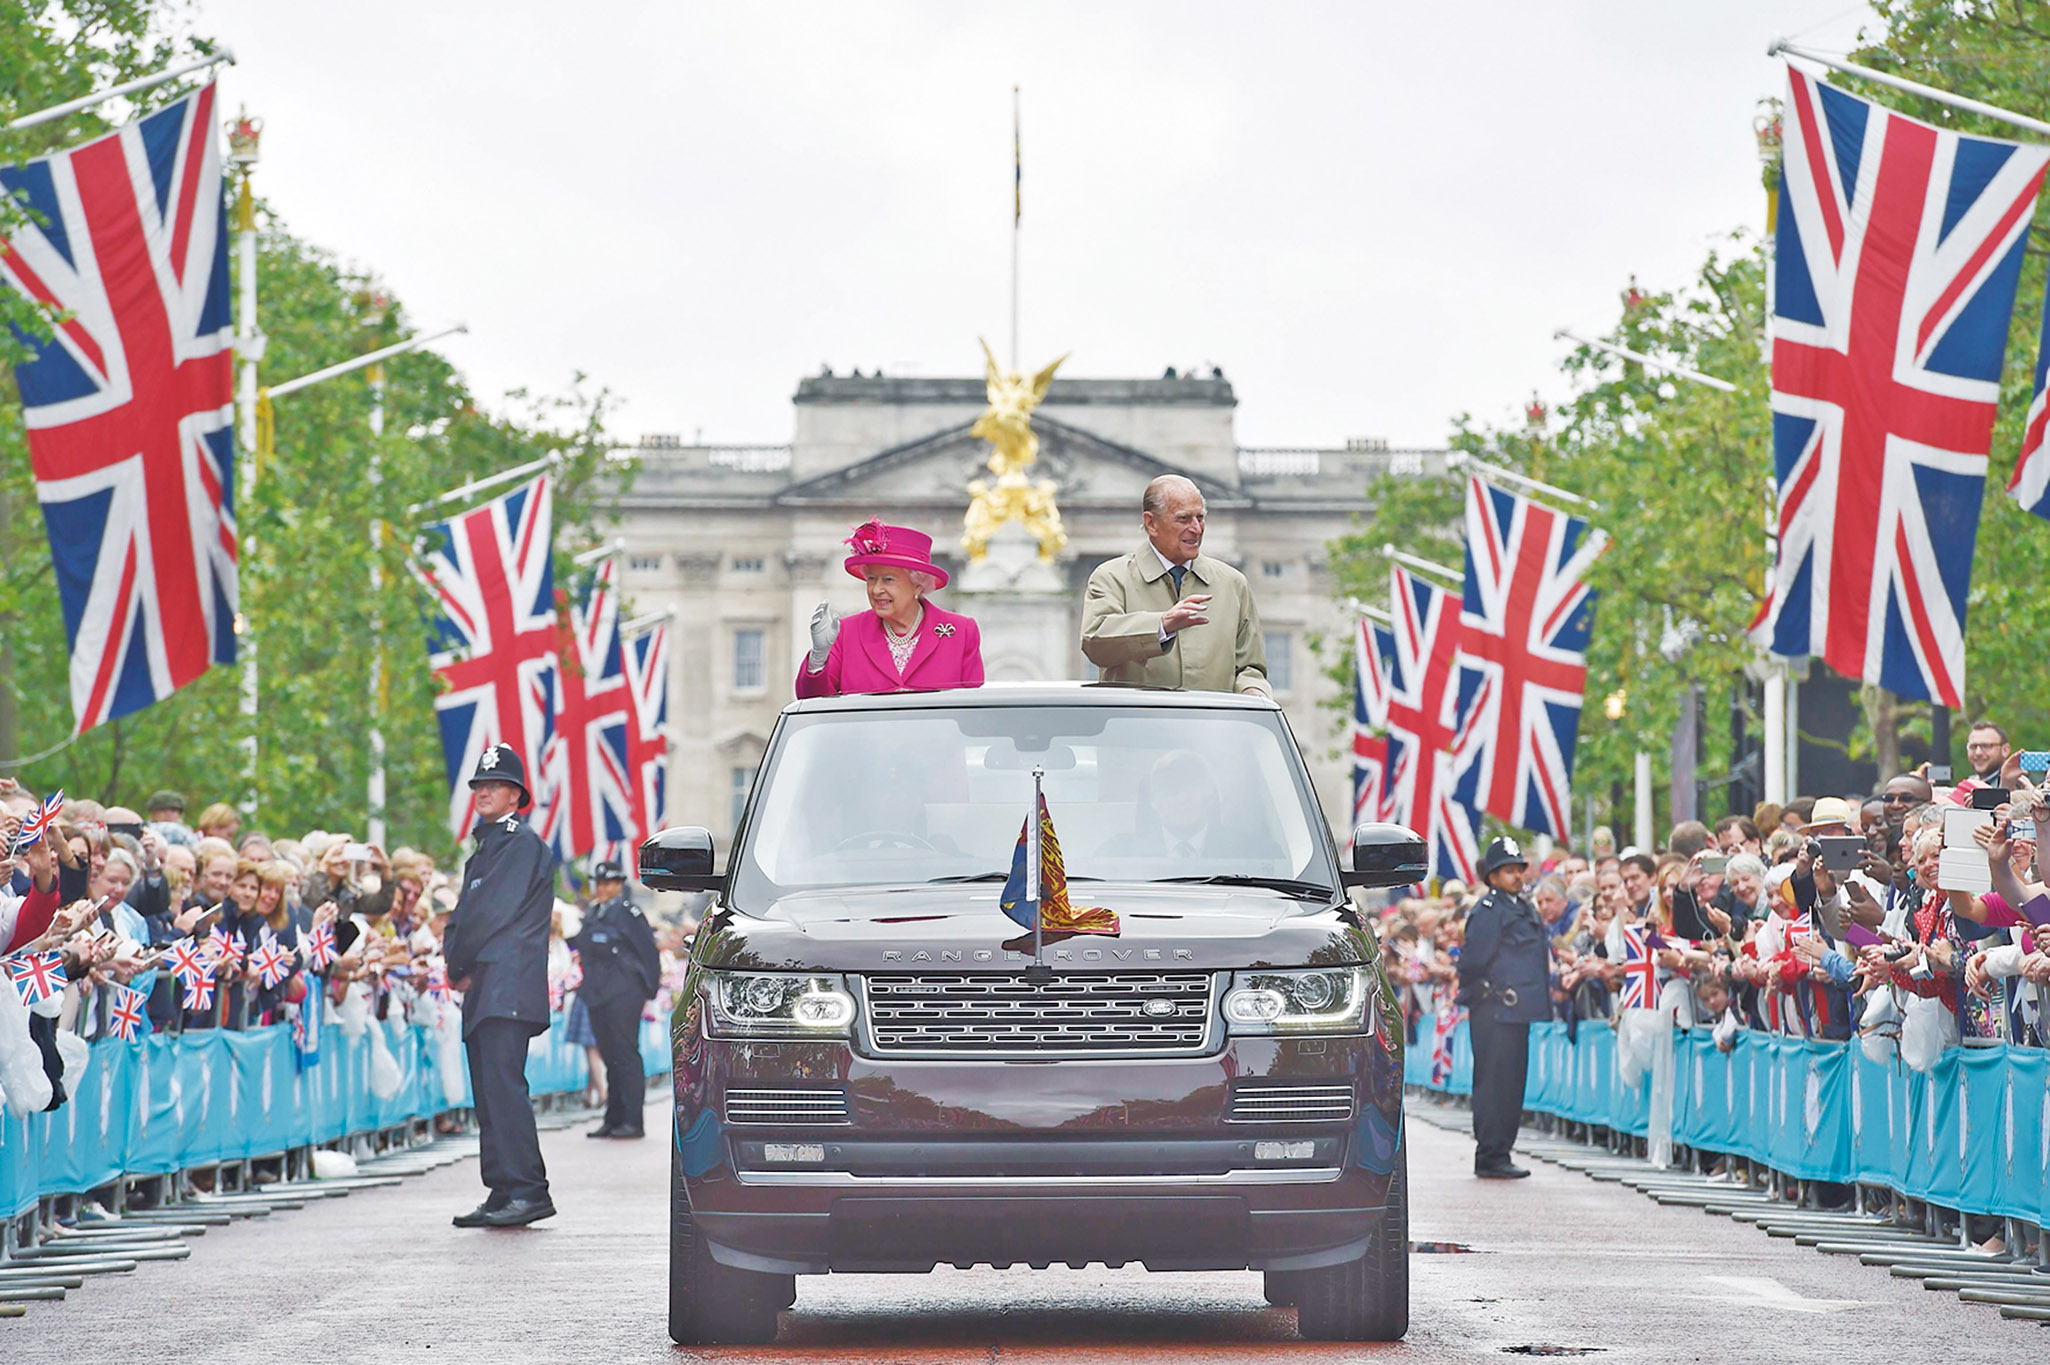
944, 629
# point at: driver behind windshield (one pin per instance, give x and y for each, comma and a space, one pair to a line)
1179, 817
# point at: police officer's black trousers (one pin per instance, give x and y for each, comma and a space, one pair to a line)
617, 1026
508, 1148
1501, 1056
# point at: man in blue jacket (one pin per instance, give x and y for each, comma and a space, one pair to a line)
497, 953
1505, 971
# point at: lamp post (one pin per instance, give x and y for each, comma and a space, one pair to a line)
244, 136
376, 308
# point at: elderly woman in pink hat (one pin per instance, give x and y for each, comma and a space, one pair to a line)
902, 641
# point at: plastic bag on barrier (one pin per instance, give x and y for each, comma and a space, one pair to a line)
448, 1054
352, 1016
1636, 1035
384, 1068
1928, 1027
1879, 1027
76, 1054
22, 1082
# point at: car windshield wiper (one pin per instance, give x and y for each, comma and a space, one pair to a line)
1286, 885
995, 877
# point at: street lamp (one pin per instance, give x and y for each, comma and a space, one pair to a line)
245, 137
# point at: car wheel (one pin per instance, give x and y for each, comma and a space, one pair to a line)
1280, 1287
1365, 1299
708, 1302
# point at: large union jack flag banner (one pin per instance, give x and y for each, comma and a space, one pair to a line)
2030, 485
586, 788
1422, 724
492, 636
129, 405
1899, 247
646, 657
1524, 623
1372, 643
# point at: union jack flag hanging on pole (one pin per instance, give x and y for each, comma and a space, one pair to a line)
129, 406
1372, 643
646, 657
493, 638
585, 789
1899, 247
1423, 709
1523, 630
2030, 485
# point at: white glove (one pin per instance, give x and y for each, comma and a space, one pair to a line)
825, 628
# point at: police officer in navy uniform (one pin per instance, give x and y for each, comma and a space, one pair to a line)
497, 952
1505, 984
621, 971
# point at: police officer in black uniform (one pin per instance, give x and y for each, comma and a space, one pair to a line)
497, 952
1505, 984
621, 971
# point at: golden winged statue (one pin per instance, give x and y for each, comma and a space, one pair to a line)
1014, 448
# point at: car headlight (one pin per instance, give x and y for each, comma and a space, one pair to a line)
779, 1005
1324, 1000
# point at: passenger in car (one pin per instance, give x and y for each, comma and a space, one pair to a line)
903, 642
1178, 817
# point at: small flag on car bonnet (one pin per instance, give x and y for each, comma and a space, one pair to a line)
1056, 915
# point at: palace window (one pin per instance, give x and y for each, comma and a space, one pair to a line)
752, 564
747, 661
743, 780
1280, 659
644, 563
1273, 568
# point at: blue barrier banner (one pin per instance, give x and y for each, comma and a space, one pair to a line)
1972, 1134
165, 1103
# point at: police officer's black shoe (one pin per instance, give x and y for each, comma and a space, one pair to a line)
475, 1217
519, 1213
1500, 1170
603, 1130
627, 1133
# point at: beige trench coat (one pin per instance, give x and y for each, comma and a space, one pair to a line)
1121, 626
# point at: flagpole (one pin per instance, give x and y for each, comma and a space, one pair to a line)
1389, 552
1034, 888
1653, 362
1461, 460
1781, 47
1017, 217
548, 461
224, 57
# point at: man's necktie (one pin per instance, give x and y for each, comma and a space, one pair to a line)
1177, 573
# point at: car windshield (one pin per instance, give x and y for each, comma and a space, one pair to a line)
1136, 794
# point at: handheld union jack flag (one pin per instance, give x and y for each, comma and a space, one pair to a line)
586, 785
273, 963
320, 946
37, 976
1640, 971
189, 962
646, 658
1524, 624
2030, 485
199, 993
38, 822
492, 635
437, 981
125, 1014
129, 406
227, 951
1899, 247
1423, 707
1444, 1029
1372, 643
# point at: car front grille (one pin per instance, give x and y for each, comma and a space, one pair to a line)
1271, 1103
760, 1106
991, 1015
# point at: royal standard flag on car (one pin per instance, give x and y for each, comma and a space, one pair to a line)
1056, 916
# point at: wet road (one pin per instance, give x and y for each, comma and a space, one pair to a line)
1559, 1261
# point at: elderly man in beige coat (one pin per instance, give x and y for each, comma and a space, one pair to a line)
1167, 615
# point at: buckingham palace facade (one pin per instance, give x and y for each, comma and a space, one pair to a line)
742, 542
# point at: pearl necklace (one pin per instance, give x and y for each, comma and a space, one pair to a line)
902, 646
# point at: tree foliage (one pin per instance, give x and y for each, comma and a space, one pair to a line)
308, 553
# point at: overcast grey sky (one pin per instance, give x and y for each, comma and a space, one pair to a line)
1373, 216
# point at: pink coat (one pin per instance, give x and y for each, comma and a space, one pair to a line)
948, 654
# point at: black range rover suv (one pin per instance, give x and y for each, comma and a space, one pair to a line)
869, 1076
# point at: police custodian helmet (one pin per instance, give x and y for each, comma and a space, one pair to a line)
1502, 852
502, 763
608, 870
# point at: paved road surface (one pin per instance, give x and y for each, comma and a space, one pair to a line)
1559, 1261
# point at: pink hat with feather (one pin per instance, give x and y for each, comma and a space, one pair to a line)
897, 547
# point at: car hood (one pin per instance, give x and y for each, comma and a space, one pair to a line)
960, 927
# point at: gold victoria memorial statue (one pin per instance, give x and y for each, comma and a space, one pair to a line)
1007, 426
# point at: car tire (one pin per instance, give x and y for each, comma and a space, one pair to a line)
1366, 1299
710, 1303
1280, 1287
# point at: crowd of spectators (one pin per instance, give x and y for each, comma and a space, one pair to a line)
117, 923
1912, 918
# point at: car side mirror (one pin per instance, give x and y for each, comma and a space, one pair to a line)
679, 859
1386, 855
